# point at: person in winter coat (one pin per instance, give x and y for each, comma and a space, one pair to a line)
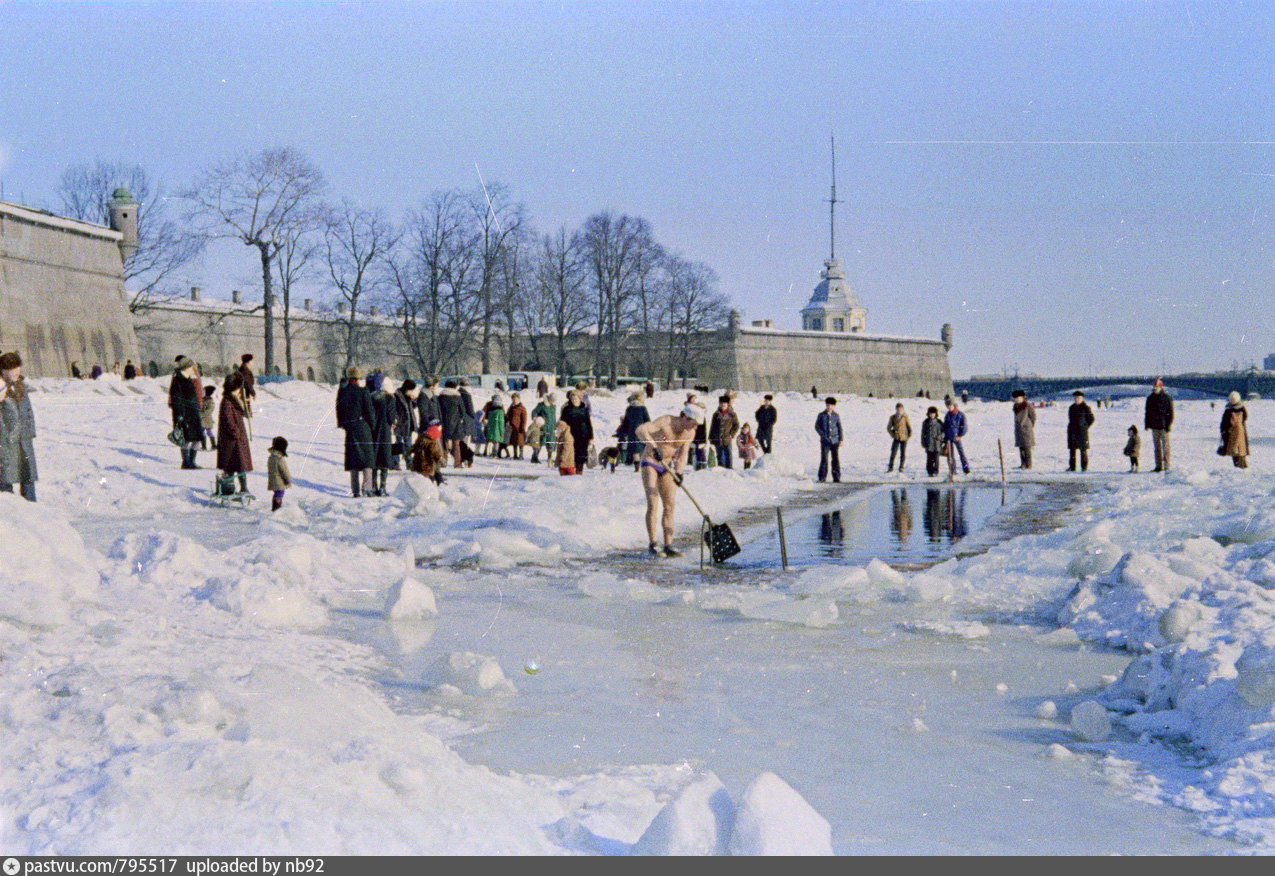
577, 418
1158, 419
900, 430
516, 425
278, 476
249, 382
208, 419
542, 388
354, 414
547, 410
747, 445
722, 431
407, 420
535, 438
426, 455
1131, 448
494, 418
766, 418
954, 429
130, 370
17, 430
1024, 428
565, 442
184, 397
427, 405
1234, 428
383, 425
452, 416
828, 428
932, 440
626, 436
1079, 419
234, 456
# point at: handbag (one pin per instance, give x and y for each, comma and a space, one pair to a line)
177, 436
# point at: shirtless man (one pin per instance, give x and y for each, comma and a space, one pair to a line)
667, 440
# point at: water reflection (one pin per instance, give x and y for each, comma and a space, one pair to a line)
901, 516
881, 525
831, 532
945, 514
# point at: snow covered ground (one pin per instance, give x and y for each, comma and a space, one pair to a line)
452, 671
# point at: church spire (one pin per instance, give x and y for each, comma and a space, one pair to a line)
832, 205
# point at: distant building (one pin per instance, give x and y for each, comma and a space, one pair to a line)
62, 296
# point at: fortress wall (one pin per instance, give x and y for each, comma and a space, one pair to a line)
216, 335
62, 296
767, 359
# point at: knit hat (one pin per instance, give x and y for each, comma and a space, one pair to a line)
280, 444
1233, 398
9, 361
693, 412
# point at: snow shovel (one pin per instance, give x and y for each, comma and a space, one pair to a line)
720, 540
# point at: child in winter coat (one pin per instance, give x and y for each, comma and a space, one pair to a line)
278, 478
1131, 448
208, 418
535, 435
932, 441
426, 456
566, 448
747, 445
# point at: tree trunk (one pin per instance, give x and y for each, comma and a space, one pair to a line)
267, 302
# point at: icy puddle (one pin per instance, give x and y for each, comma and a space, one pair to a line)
907, 527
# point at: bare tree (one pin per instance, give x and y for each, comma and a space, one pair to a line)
356, 241
498, 221
163, 245
696, 308
433, 272
614, 247
562, 303
294, 262
263, 200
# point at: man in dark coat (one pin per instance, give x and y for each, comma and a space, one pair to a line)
383, 424
249, 382
828, 428
1158, 420
407, 419
1079, 419
766, 417
130, 370
1024, 428
452, 416
354, 414
722, 431
634, 415
427, 406
576, 416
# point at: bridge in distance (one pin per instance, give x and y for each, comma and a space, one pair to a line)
1220, 384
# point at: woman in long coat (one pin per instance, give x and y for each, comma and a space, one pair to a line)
354, 414
494, 429
383, 406
185, 396
576, 416
516, 426
17, 430
1234, 427
234, 457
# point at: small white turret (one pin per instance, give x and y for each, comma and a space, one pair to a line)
122, 210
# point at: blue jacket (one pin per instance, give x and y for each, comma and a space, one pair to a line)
828, 425
954, 426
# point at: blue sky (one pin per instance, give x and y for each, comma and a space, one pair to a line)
1079, 188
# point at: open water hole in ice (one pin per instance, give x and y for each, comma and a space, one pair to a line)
908, 737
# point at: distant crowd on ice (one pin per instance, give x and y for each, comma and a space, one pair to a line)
427, 428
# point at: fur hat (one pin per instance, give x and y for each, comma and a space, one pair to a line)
185, 362
1018, 393
1233, 398
280, 444
9, 361
408, 385
354, 372
693, 412
830, 401
245, 359
1078, 394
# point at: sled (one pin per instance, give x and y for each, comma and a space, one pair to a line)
225, 494
721, 542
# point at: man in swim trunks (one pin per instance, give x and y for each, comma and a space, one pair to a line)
666, 440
